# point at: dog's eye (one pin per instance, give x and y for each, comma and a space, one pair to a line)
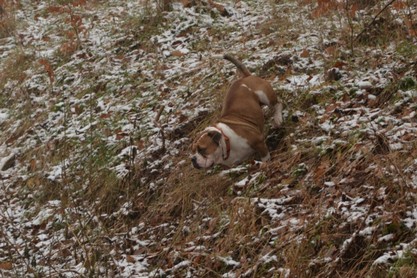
201, 151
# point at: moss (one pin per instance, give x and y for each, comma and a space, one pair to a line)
406, 48
407, 83
405, 266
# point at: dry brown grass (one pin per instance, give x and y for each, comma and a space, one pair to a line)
186, 196
326, 233
15, 66
7, 20
186, 187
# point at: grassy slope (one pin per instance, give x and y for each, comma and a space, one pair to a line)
93, 191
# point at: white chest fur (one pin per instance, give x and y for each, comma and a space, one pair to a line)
239, 147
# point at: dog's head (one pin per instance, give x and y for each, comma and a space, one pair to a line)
206, 149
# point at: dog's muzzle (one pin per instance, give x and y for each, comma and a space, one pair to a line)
195, 164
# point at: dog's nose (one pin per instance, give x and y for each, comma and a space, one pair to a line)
195, 164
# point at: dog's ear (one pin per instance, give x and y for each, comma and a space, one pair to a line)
216, 136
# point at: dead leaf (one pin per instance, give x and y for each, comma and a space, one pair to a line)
130, 259
78, 109
339, 64
399, 5
331, 50
33, 181
48, 68
186, 3
353, 10
218, 7
32, 165
177, 53
105, 115
56, 9
408, 137
45, 38
6, 266
67, 48
331, 107
305, 54
321, 171
78, 3
65, 253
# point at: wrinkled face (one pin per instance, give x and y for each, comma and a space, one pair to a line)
206, 149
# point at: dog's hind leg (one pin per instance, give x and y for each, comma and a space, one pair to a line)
267, 96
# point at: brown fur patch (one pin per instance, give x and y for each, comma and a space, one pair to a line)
205, 144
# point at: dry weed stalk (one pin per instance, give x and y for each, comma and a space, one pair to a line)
349, 12
160, 126
73, 42
49, 70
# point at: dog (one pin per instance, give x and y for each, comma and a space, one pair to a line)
238, 134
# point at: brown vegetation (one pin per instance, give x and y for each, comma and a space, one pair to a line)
330, 203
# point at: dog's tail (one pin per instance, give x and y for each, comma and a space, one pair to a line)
238, 64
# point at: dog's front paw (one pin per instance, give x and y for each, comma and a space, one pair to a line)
278, 120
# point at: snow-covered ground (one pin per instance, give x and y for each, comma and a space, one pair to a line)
99, 102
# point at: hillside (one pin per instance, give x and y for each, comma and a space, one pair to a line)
100, 101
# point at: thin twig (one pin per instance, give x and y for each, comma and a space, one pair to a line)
374, 19
350, 25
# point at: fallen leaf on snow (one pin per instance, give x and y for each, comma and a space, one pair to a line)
6, 266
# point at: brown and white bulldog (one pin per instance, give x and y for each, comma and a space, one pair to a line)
239, 131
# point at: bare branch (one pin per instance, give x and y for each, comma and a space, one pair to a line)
374, 19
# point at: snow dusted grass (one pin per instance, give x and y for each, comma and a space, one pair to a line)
91, 93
